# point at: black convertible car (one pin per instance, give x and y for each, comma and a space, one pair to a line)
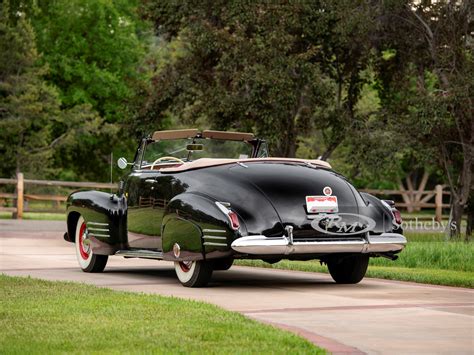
203, 199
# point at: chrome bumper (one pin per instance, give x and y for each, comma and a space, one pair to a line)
261, 245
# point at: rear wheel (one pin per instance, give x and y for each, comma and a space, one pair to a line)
193, 273
348, 269
88, 261
221, 264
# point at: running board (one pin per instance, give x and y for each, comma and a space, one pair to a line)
146, 254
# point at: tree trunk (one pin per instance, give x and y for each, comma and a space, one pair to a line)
332, 147
461, 191
287, 147
291, 148
457, 210
470, 218
291, 136
470, 225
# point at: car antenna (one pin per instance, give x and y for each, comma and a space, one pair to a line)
111, 170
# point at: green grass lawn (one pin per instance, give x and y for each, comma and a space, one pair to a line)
424, 213
37, 216
428, 258
44, 317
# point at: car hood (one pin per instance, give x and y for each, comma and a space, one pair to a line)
269, 196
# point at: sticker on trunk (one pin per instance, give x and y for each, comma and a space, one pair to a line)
317, 204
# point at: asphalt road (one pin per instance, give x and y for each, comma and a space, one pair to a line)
375, 316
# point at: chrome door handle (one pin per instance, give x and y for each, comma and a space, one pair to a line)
151, 181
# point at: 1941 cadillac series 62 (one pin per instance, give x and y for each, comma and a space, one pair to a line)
203, 199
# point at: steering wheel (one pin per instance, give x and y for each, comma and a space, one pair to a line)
165, 158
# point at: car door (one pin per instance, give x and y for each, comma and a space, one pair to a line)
144, 213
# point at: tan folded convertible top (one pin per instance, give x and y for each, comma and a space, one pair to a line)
207, 162
232, 136
174, 134
190, 133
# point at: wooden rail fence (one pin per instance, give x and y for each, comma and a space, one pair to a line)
20, 196
413, 200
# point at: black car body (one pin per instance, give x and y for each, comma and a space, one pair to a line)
203, 213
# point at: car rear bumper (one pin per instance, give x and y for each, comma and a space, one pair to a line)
261, 245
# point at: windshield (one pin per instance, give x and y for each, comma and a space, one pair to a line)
194, 148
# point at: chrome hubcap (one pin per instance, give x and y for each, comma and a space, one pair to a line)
185, 265
86, 242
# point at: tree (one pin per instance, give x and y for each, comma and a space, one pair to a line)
276, 69
93, 53
346, 55
33, 126
28, 105
427, 85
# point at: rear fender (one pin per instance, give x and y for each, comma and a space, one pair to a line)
105, 215
376, 210
196, 224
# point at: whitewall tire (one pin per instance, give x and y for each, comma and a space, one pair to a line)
88, 261
193, 273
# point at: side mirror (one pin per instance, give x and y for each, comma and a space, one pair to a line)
122, 163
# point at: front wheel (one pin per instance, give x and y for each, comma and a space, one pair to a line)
193, 273
348, 269
88, 261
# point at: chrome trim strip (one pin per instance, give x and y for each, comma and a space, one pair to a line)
214, 231
215, 244
223, 206
98, 229
261, 245
289, 234
98, 235
148, 254
386, 242
213, 237
97, 224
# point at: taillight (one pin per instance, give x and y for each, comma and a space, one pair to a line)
397, 216
234, 220
231, 215
395, 213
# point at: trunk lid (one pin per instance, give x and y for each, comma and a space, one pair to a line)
286, 186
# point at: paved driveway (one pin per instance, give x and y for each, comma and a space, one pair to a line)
375, 316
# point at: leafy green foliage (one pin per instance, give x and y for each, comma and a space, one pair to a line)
33, 126
81, 62
278, 70
426, 90
28, 105
382, 89
92, 49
